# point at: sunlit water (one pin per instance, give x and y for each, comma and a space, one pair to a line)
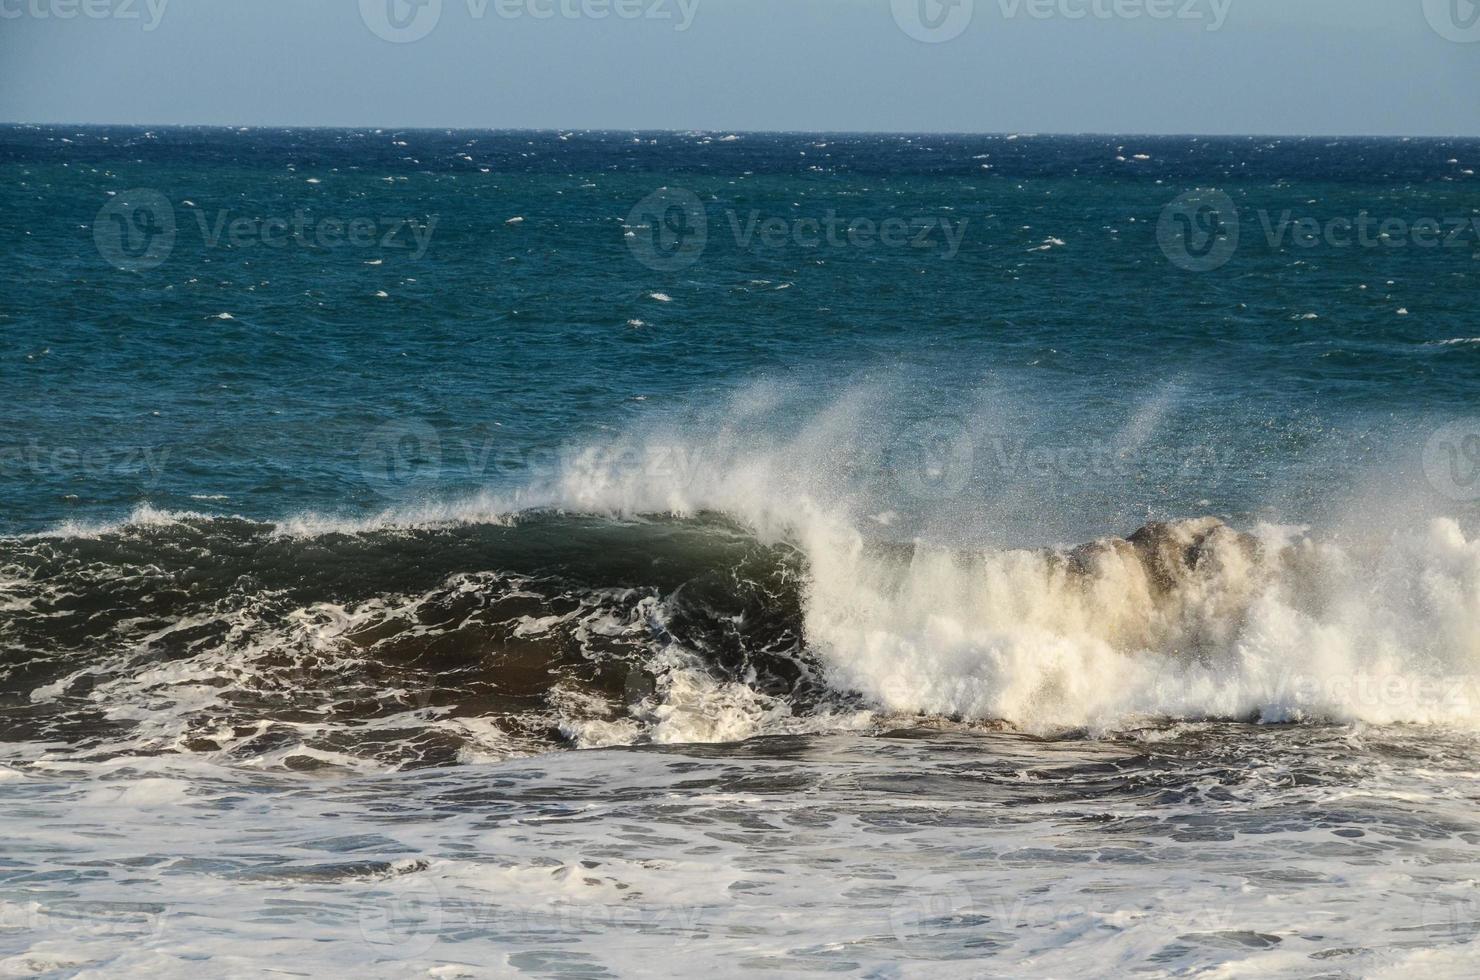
523, 596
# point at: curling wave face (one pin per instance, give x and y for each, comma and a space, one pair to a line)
408, 645
415, 644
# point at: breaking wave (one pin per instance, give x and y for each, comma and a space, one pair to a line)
465, 640
665, 588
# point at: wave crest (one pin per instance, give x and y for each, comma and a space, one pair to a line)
223, 635
1186, 620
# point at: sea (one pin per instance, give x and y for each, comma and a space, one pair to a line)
568, 554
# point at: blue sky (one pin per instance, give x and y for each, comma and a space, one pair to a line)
1390, 67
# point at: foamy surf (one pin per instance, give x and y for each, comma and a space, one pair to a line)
689, 582
833, 628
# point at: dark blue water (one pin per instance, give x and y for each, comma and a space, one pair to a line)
126, 386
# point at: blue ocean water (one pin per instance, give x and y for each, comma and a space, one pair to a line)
518, 340
568, 553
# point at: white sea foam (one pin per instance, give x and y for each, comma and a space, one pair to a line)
142, 516
1351, 623
1362, 623
891, 857
1386, 632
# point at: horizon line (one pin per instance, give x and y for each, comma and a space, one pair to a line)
236, 127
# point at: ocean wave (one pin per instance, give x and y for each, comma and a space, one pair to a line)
1185, 620
420, 643
745, 577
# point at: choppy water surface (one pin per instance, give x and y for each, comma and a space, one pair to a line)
914, 853
539, 586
